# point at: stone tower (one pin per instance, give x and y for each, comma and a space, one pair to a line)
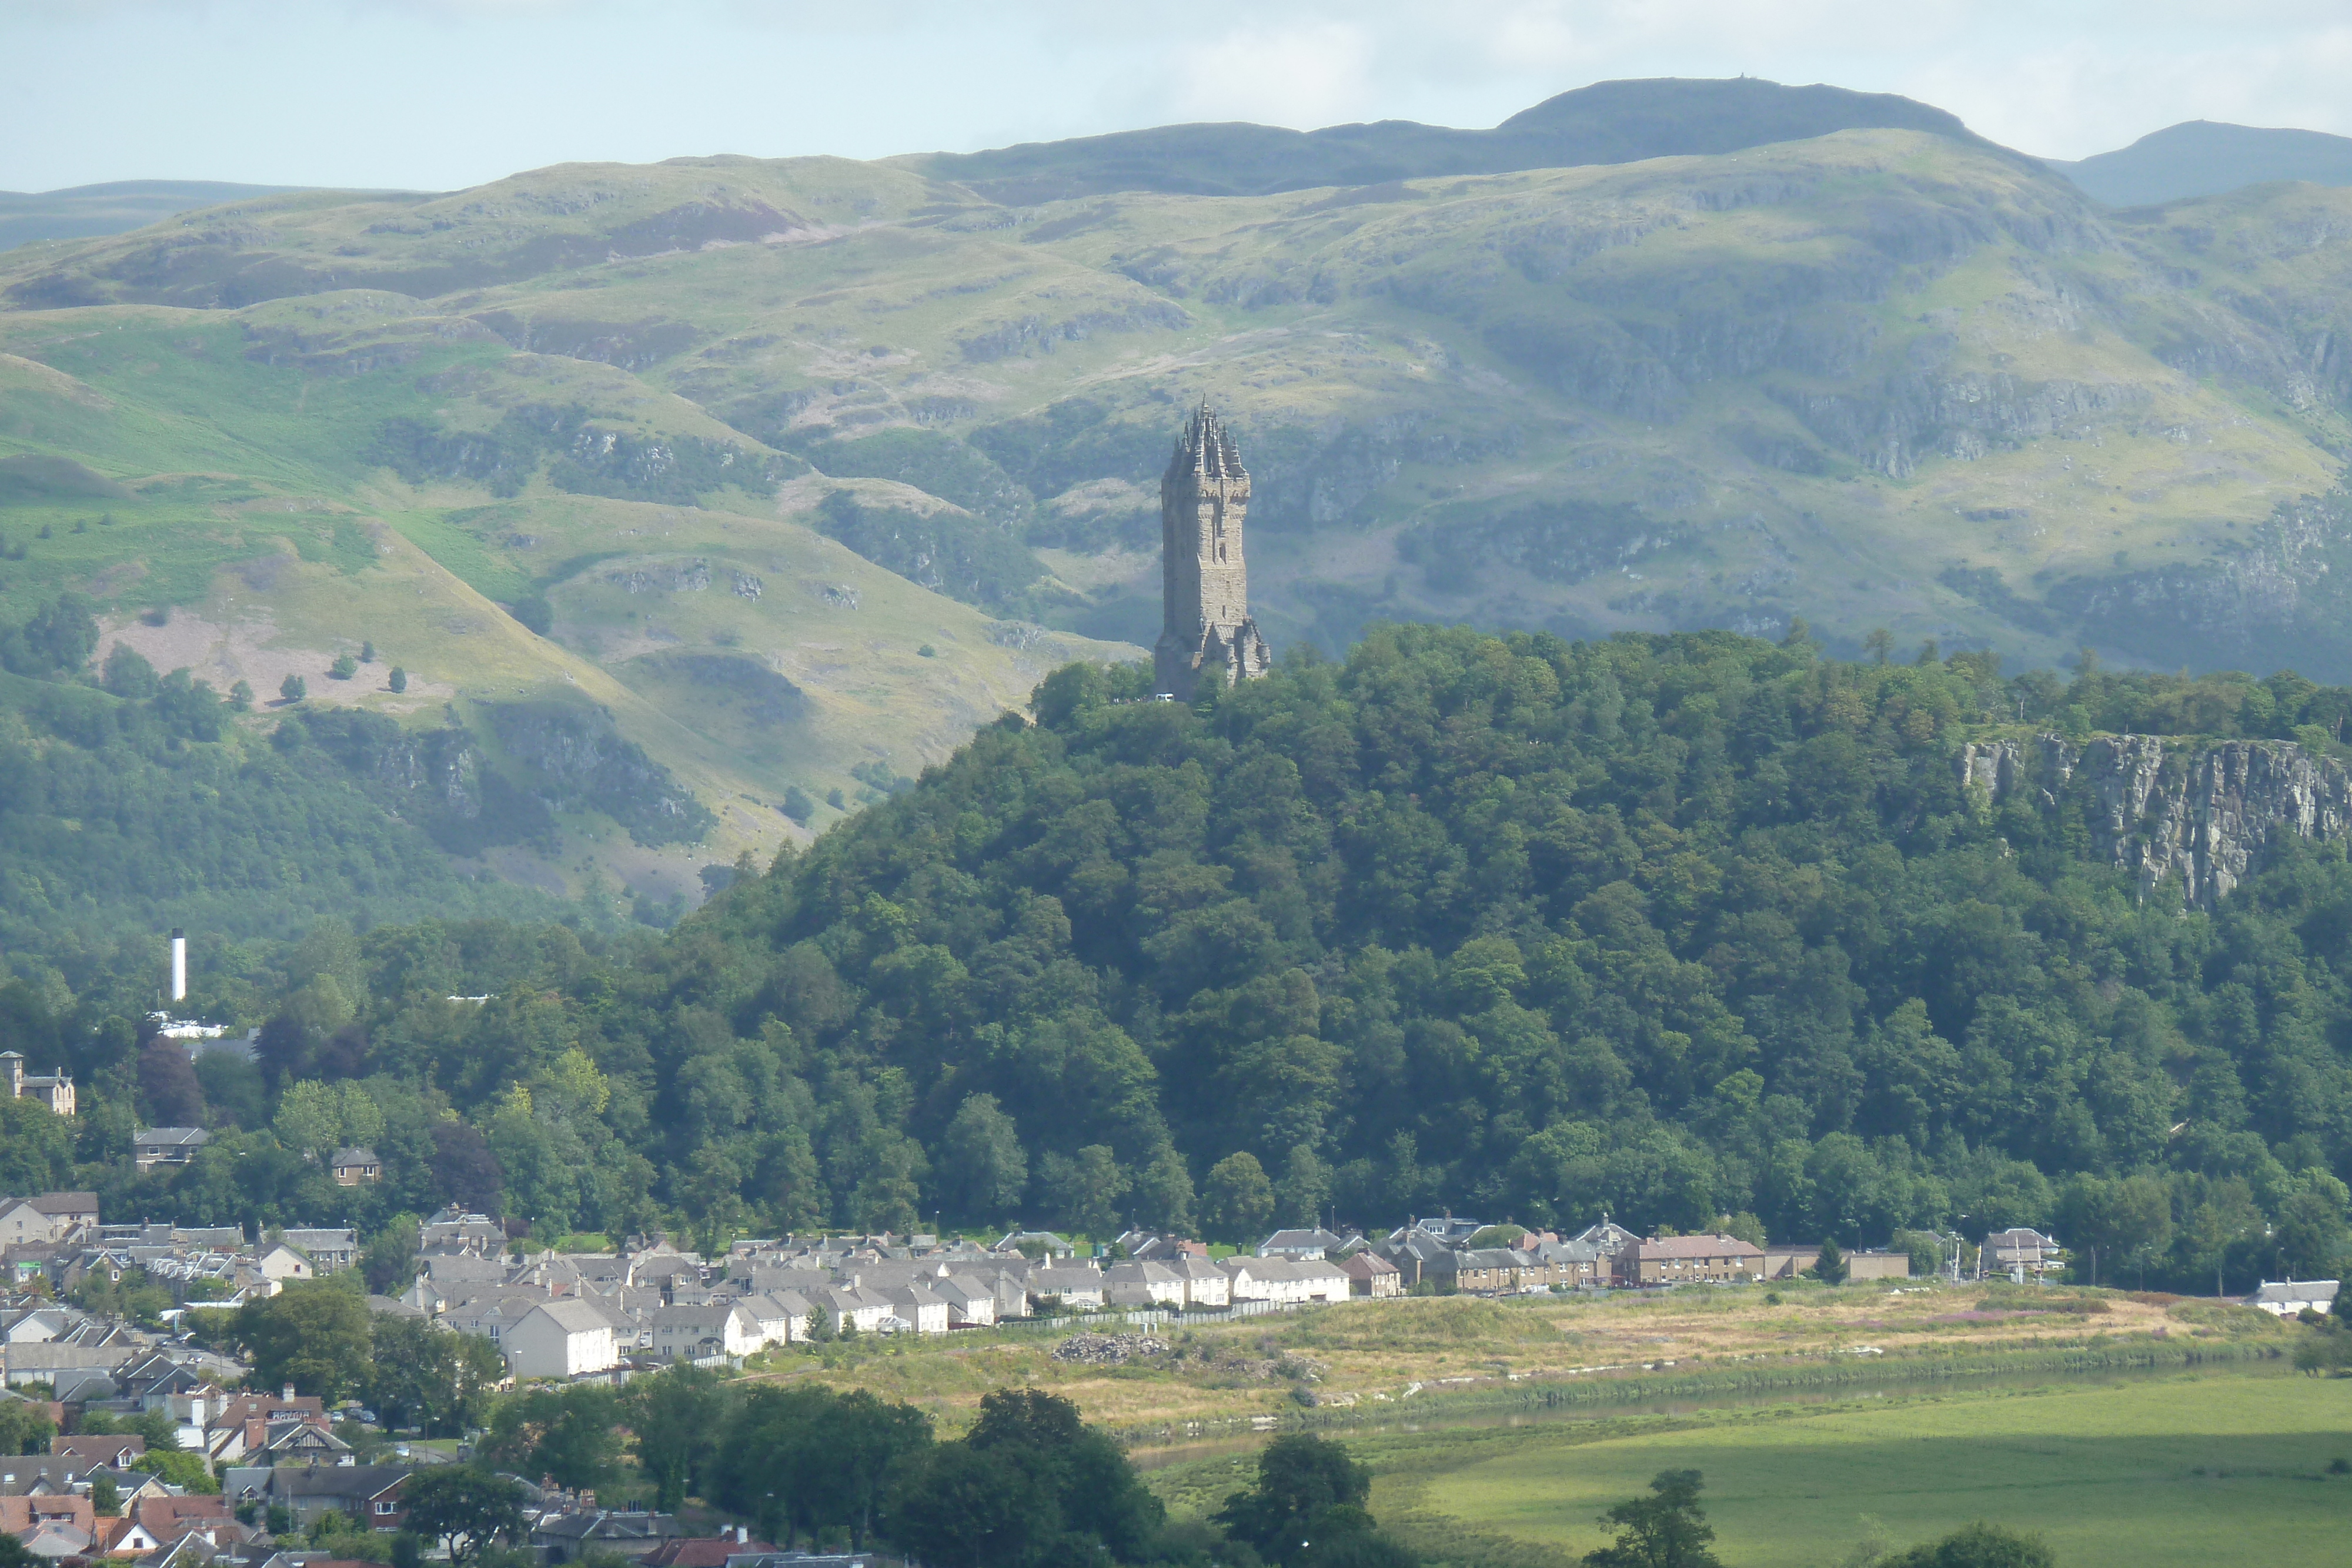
1205, 587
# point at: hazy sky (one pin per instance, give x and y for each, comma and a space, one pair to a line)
438, 94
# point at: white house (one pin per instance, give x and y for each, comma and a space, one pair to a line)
716, 1328
1143, 1285
282, 1263
327, 1250
1302, 1245
1073, 1287
153, 1147
2288, 1297
1205, 1284
1280, 1280
850, 1303
563, 1338
783, 1316
971, 1303
920, 1307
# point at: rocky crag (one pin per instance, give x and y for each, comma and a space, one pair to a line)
2209, 814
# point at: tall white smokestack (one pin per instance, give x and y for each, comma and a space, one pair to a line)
179, 964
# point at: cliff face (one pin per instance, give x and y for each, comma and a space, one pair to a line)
2209, 814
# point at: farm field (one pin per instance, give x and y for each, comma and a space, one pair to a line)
2139, 1472
2190, 1469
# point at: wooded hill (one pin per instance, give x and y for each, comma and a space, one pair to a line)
1677, 927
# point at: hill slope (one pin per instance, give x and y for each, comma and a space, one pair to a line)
78, 211
741, 438
2205, 158
1609, 122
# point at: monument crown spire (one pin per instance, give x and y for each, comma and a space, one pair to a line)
1204, 583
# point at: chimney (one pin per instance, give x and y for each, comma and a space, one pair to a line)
179, 964
287, 1392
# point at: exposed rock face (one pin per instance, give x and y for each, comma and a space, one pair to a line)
2209, 815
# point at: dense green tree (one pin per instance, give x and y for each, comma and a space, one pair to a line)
962, 1507
571, 1434
674, 1417
426, 1377
1668, 1529
314, 1333
23, 1429
983, 1168
1237, 1201
805, 1458
465, 1508
1309, 1491
36, 1147
1830, 1267
1978, 1545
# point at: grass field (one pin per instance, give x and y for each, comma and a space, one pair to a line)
2190, 1470
1374, 1363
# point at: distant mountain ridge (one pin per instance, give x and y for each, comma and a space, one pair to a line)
2208, 158
82, 211
1609, 122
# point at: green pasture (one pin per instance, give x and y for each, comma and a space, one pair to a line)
2192, 1469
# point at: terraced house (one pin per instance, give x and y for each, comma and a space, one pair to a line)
1686, 1259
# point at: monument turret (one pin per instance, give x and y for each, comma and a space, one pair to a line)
1204, 585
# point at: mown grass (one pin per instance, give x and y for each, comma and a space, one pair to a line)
2190, 1470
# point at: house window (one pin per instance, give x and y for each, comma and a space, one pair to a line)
386, 1509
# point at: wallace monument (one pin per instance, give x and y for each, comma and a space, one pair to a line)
1204, 586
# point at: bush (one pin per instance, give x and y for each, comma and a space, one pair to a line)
344, 667
398, 680
293, 689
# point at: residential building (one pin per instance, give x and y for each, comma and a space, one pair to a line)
1143, 1285
972, 1304
455, 1229
370, 1495
1071, 1287
1486, 1271
1689, 1260
1281, 1279
2288, 1297
850, 1304
54, 1090
355, 1167
918, 1307
570, 1533
329, 1250
705, 1550
2020, 1253
1785, 1260
1370, 1275
50, 1216
1311, 1245
113, 1451
1877, 1263
711, 1329
280, 1263
153, 1147
1028, 1243
1205, 1284
1608, 1238
563, 1338
1578, 1265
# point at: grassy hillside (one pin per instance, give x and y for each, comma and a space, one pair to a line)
551, 436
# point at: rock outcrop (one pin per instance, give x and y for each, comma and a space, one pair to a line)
2209, 814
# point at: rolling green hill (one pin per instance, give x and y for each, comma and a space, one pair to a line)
712, 450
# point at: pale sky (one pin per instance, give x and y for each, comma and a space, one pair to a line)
440, 94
